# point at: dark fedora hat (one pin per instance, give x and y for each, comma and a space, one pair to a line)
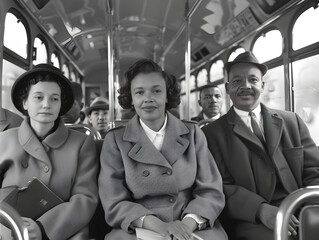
247, 57
43, 69
97, 104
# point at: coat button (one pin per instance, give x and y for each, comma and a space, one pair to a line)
146, 173
169, 172
46, 169
171, 199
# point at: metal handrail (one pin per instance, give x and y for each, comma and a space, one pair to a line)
96, 135
10, 217
289, 206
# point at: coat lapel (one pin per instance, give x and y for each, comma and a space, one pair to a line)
31, 143
143, 150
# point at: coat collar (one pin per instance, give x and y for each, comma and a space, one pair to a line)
272, 128
34, 147
174, 144
3, 120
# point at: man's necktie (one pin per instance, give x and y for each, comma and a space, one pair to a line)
256, 128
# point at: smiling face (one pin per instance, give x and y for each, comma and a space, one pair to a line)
149, 98
43, 103
245, 86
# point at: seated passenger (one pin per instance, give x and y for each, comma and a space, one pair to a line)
263, 154
156, 172
42, 147
97, 114
9, 119
74, 114
210, 99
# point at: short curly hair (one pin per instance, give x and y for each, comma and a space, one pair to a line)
173, 88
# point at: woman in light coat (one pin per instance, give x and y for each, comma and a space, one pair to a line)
42, 147
157, 173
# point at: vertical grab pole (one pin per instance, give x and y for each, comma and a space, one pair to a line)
187, 63
110, 62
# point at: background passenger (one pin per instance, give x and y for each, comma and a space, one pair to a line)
74, 114
9, 119
156, 172
97, 114
263, 154
42, 147
211, 100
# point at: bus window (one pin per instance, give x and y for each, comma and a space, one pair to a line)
216, 71
303, 36
55, 60
73, 77
202, 78
306, 92
10, 73
192, 83
41, 53
235, 53
270, 40
66, 71
274, 88
15, 35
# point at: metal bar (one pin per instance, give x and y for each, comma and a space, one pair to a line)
182, 27
109, 9
288, 207
187, 66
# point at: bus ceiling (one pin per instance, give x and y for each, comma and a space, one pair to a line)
149, 29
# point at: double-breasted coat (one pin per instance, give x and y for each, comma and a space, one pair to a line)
136, 179
66, 162
250, 171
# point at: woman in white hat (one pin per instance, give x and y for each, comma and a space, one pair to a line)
42, 147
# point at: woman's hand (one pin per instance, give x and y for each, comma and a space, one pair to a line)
176, 230
33, 229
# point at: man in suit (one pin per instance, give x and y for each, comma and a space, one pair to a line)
73, 115
263, 154
210, 99
9, 119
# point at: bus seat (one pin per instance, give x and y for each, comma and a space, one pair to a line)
84, 128
309, 223
302, 200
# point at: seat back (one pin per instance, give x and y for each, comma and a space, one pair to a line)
309, 223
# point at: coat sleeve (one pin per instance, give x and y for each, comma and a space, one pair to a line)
68, 218
311, 156
120, 208
208, 198
241, 203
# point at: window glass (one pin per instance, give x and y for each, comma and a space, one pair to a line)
41, 54
270, 40
10, 73
55, 60
15, 35
193, 104
183, 87
303, 36
202, 78
66, 71
235, 53
306, 93
274, 88
216, 71
192, 82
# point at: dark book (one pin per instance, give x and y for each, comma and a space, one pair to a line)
36, 199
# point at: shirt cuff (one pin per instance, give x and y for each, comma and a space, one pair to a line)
200, 220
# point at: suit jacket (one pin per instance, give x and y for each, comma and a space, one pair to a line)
66, 162
136, 179
199, 117
9, 119
248, 169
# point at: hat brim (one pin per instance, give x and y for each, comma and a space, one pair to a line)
23, 79
96, 107
263, 68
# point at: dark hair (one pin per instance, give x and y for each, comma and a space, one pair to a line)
23, 92
149, 66
209, 85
